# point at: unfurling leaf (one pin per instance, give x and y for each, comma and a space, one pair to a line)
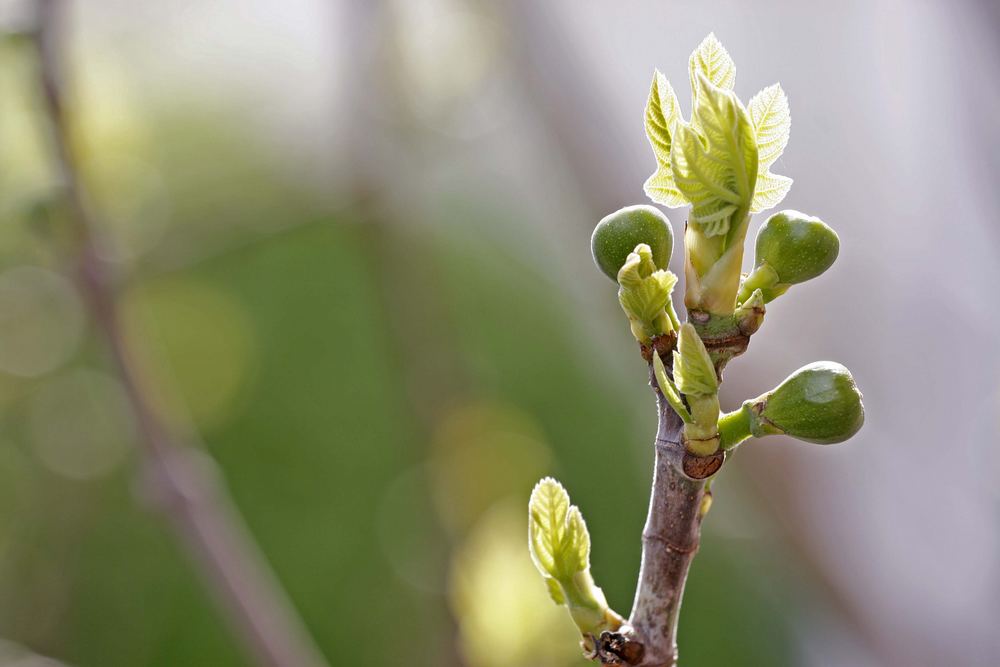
772, 124
578, 541
638, 266
713, 61
662, 111
669, 390
645, 295
661, 188
693, 368
560, 543
560, 548
555, 591
714, 159
647, 299
549, 529
770, 190
696, 379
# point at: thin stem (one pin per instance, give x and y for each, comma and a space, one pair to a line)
734, 428
763, 277
184, 482
669, 543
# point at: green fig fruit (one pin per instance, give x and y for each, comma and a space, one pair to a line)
618, 234
797, 246
817, 403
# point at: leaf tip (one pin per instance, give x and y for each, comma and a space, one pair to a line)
546, 487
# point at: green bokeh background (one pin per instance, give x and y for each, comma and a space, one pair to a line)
376, 317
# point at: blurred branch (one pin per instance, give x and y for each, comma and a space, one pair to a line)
572, 111
185, 484
417, 323
417, 318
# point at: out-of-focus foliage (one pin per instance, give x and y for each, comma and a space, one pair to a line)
277, 349
491, 615
257, 304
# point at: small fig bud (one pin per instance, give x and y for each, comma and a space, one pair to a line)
817, 403
750, 314
619, 233
797, 246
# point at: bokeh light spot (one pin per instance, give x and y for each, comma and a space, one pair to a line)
80, 425
134, 203
410, 540
41, 321
504, 613
446, 52
194, 346
14, 489
480, 452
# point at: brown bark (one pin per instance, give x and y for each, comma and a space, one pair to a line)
669, 542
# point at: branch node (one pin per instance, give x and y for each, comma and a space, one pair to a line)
663, 345
615, 648
702, 467
653, 537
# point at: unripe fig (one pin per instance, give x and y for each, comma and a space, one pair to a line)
817, 403
797, 246
617, 235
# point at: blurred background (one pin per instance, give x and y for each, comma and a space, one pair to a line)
353, 238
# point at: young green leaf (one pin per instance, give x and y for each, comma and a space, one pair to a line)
770, 190
560, 548
549, 531
693, 368
648, 299
772, 124
644, 294
555, 591
714, 159
577, 557
668, 389
662, 111
661, 188
713, 61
